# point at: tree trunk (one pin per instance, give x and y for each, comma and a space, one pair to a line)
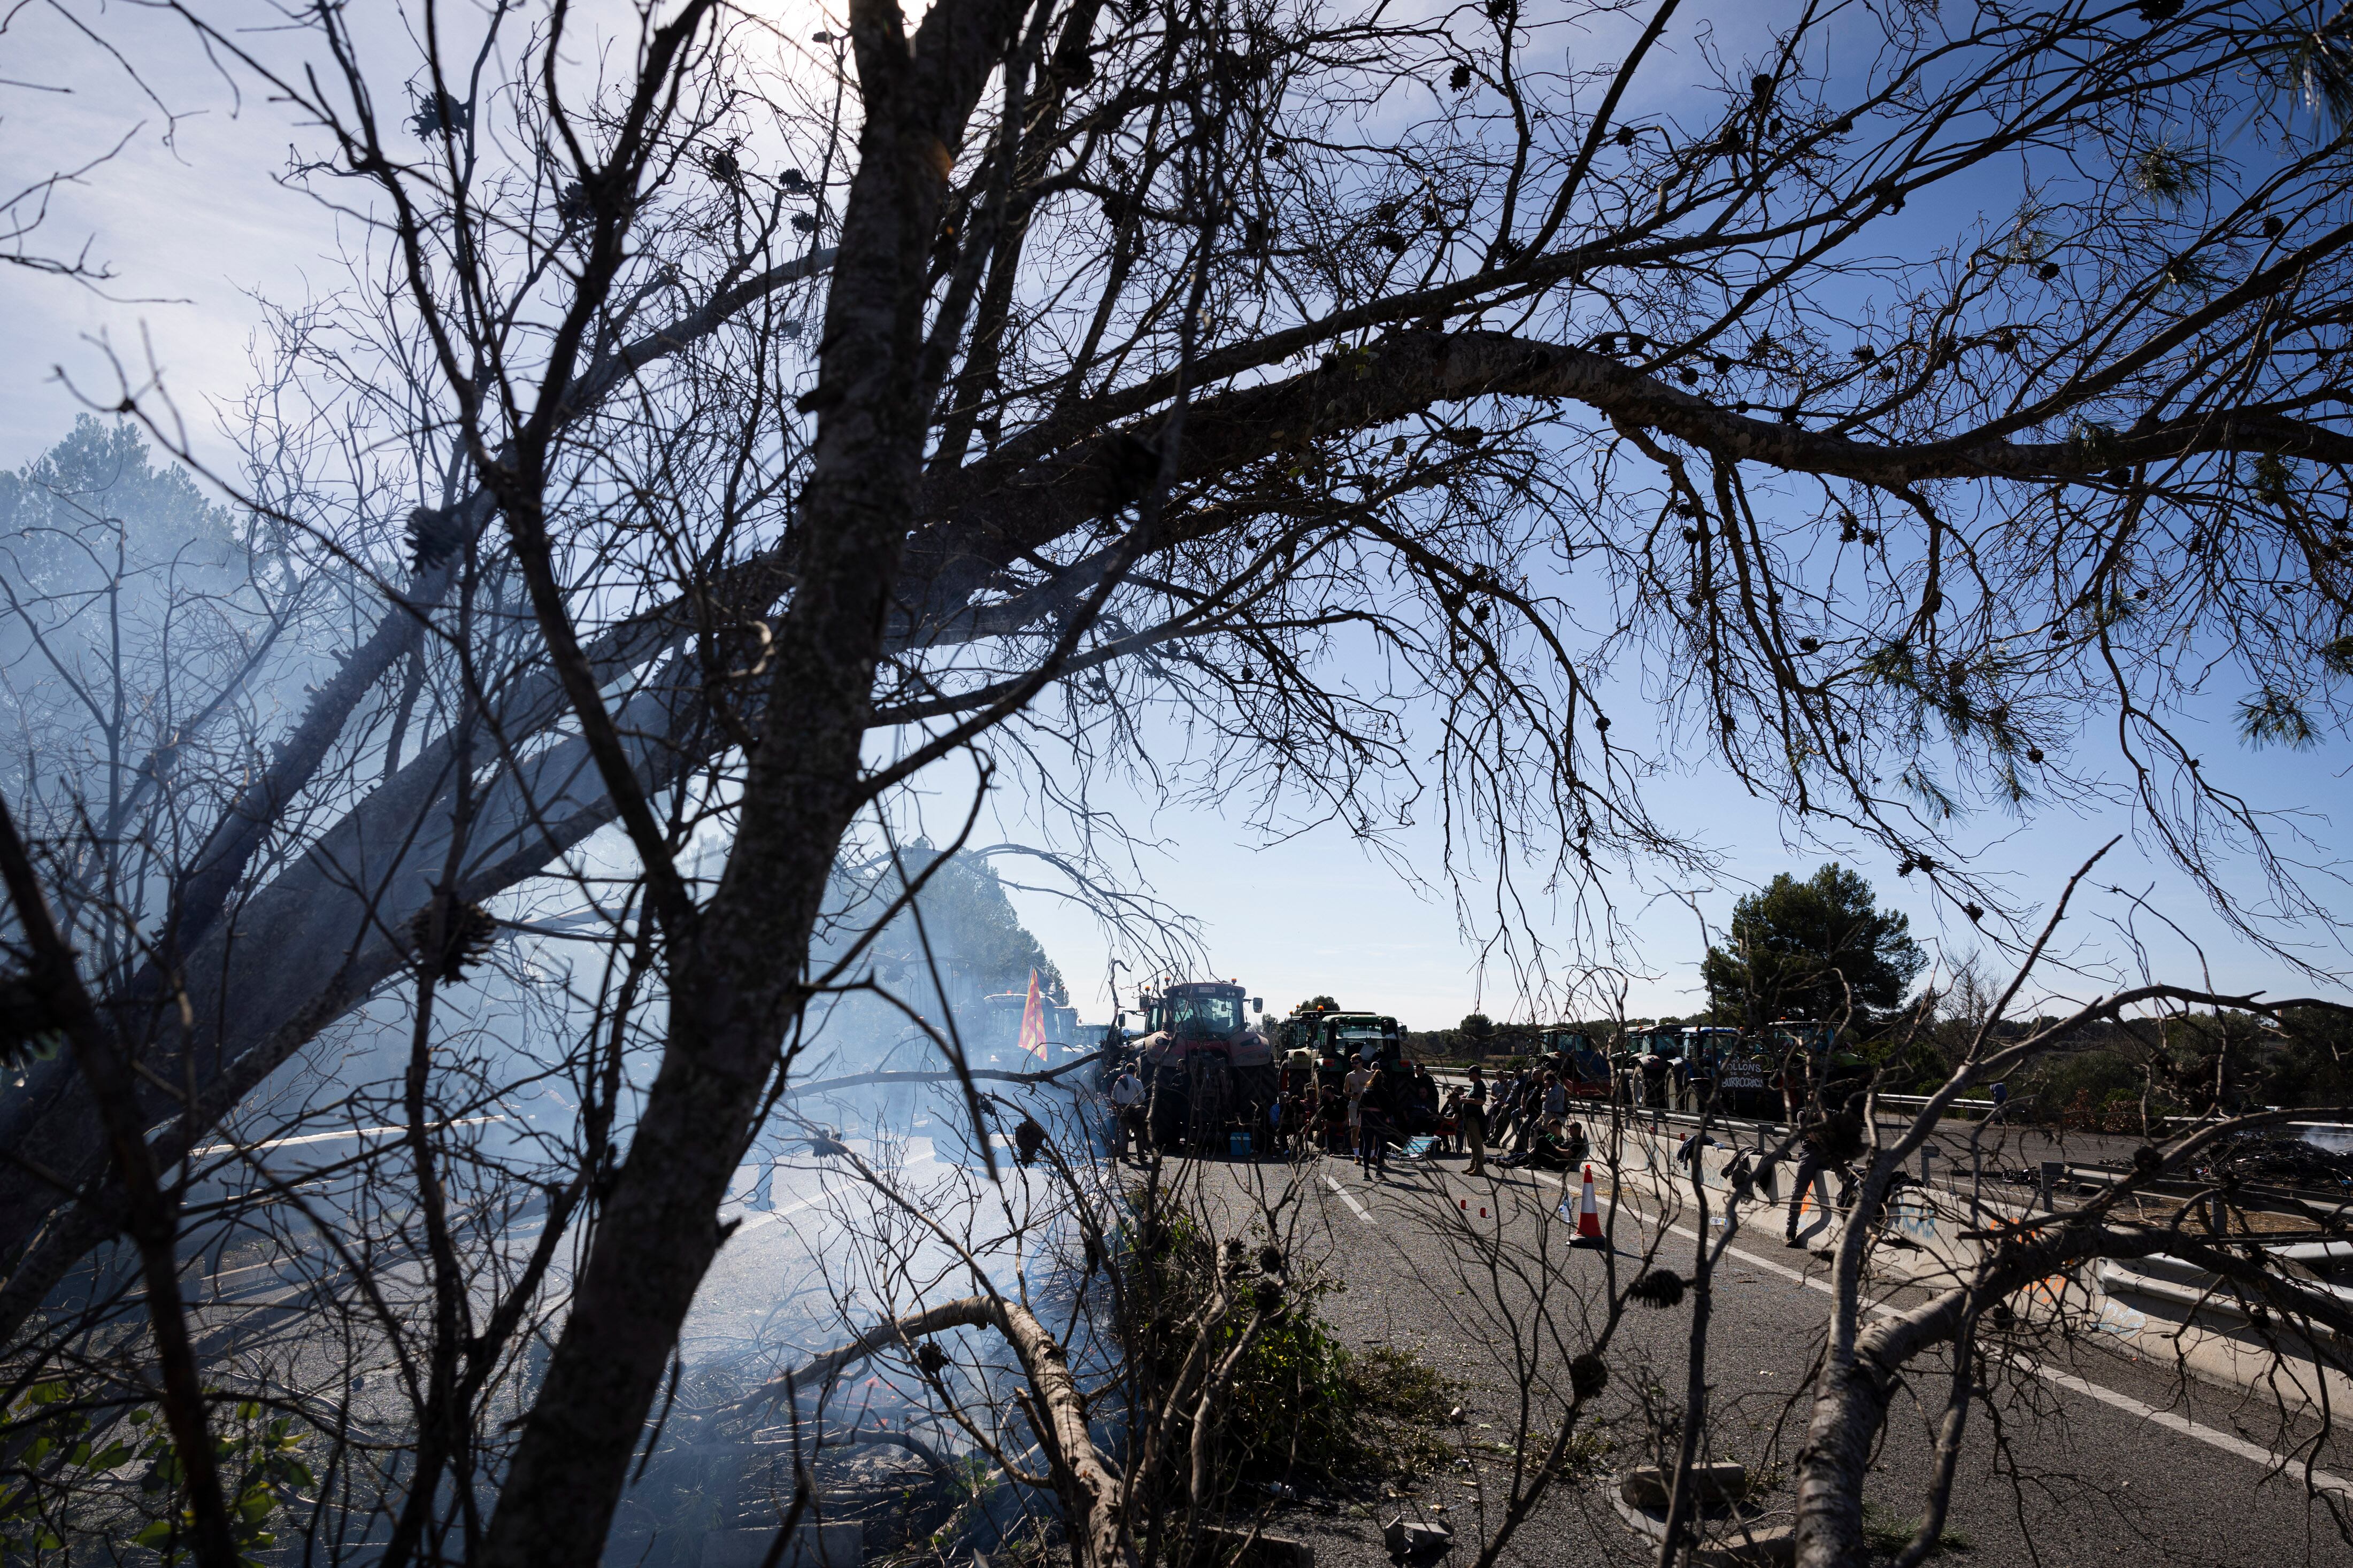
737, 972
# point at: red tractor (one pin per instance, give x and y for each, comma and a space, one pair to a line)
1207, 1066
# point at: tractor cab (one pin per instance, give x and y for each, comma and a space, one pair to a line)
1335, 1041
999, 1041
1584, 1071
1652, 1061
1206, 1063
1195, 1013
1706, 1049
1811, 1047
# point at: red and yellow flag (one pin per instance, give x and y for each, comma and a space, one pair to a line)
1033, 1021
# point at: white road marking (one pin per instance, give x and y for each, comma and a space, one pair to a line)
751, 1217
309, 1138
2322, 1480
1350, 1199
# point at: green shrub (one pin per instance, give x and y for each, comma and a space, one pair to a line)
1302, 1406
119, 1478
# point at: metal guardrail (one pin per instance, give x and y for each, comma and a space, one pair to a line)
1718, 1119
1986, 1106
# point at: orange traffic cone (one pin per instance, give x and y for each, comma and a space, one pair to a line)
1589, 1216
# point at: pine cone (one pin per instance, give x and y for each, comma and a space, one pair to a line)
1027, 1139
1658, 1288
469, 933
433, 536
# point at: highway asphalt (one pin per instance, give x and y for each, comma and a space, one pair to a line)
2090, 1457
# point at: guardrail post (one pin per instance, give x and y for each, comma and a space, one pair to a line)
2051, 1171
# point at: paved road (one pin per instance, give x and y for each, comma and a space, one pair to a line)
2096, 1458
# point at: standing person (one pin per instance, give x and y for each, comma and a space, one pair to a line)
1791, 1081
1530, 1122
1357, 1082
1474, 1120
1507, 1103
1555, 1096
1374, 1127
1654, 1086
1128, 1109
1831, 1142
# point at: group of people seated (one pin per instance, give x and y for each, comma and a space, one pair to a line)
1361, 1114
1557, 1145
1374, 1108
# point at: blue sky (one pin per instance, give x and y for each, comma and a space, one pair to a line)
1318, 914
195, 227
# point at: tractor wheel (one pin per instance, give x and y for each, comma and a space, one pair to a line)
1255, 1088
1169, 1104
1212, 1092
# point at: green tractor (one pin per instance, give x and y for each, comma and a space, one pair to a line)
1334, 1041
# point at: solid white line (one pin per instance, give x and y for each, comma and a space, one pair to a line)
1350, 1199
210, 1149
746, 1218
2322, 1480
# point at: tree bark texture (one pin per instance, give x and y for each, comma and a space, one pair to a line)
1857, 1385
735, 980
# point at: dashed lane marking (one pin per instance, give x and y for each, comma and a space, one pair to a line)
1350, 1199
2322, 1480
